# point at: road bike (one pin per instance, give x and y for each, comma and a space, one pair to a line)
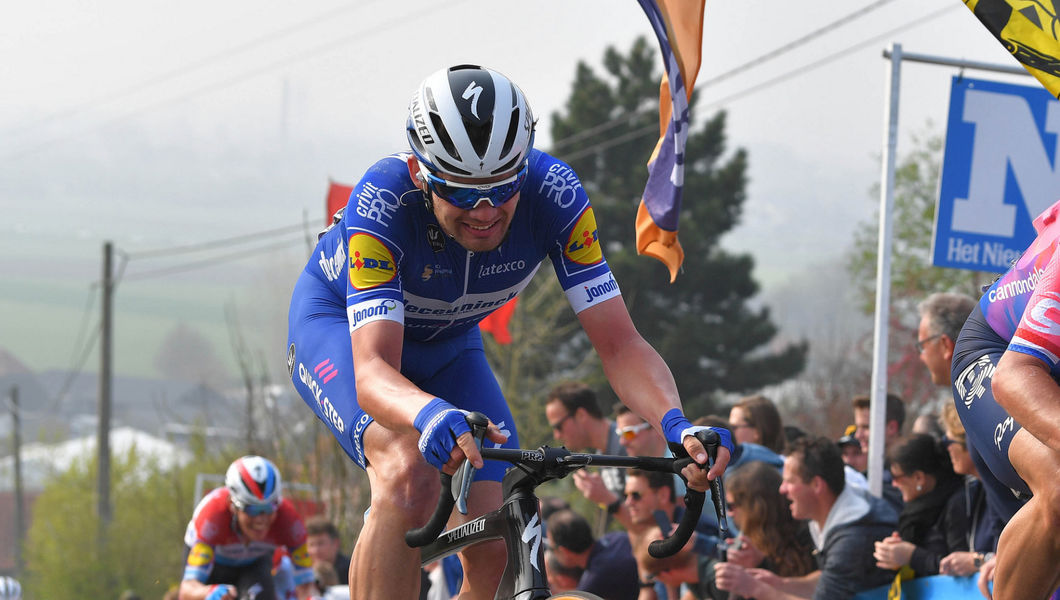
518, 521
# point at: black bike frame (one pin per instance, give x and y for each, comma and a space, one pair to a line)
518, 521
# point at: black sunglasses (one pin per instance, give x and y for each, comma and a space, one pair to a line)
559, 424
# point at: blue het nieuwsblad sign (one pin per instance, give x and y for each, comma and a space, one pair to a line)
999, 171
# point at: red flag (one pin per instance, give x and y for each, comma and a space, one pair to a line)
496, 322
338, 196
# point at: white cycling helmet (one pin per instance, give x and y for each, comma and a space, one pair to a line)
10, 589
470, 121
253, 481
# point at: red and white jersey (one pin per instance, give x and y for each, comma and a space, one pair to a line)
213, 537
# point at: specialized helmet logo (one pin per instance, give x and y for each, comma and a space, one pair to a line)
472, 92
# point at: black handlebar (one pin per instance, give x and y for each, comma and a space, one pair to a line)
669, 545
556, 463
417, 538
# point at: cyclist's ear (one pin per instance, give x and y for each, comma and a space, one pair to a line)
414, 171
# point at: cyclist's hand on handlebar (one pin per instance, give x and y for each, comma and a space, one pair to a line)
679, 431
696, 450
445, 437
466, 448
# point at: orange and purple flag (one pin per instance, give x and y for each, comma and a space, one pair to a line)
1029, 29
679, 26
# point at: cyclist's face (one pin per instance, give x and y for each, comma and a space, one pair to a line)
255, 528
479, 229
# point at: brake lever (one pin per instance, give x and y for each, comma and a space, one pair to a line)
465, 474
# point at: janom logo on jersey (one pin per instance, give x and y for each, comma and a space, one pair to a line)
583, 246
371, 263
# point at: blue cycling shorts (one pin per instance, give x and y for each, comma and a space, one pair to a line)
989, 428
320, 363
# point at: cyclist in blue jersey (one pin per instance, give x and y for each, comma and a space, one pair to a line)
431, 242
1006, 364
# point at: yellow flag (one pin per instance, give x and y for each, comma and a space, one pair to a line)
1029, 31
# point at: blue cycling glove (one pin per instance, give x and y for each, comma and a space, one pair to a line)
439, 424
676, 427
218, 592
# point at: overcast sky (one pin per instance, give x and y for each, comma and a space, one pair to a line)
158, 125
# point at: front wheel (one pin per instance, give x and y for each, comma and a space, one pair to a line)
575, 595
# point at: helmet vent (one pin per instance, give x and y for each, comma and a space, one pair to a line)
450, 167
443, 136
508, 166
429, 93
513, 130
479, 134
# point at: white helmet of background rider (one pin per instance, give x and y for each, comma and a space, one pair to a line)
253, 481
10, 589
470, 121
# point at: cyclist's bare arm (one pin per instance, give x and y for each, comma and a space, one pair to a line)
640, 378
1023, 386
388, 396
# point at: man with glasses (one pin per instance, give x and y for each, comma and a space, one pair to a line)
578, 423
235, 530
432, 241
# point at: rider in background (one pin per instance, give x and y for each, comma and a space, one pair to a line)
432, 241
1005, 369
234, 532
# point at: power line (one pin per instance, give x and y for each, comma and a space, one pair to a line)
752, 89
402, 20
755, 62
182, 70
209, 262
222, 243
809, 37
827, 59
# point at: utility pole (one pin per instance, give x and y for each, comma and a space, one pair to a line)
103, 432
20, 507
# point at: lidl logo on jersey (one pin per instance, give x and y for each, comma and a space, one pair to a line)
583, 246
200, 555
1000, 170
371, 263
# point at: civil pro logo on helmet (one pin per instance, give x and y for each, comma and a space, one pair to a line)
371, 262
583, 246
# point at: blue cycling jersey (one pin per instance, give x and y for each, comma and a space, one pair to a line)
390, 259
387, 257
